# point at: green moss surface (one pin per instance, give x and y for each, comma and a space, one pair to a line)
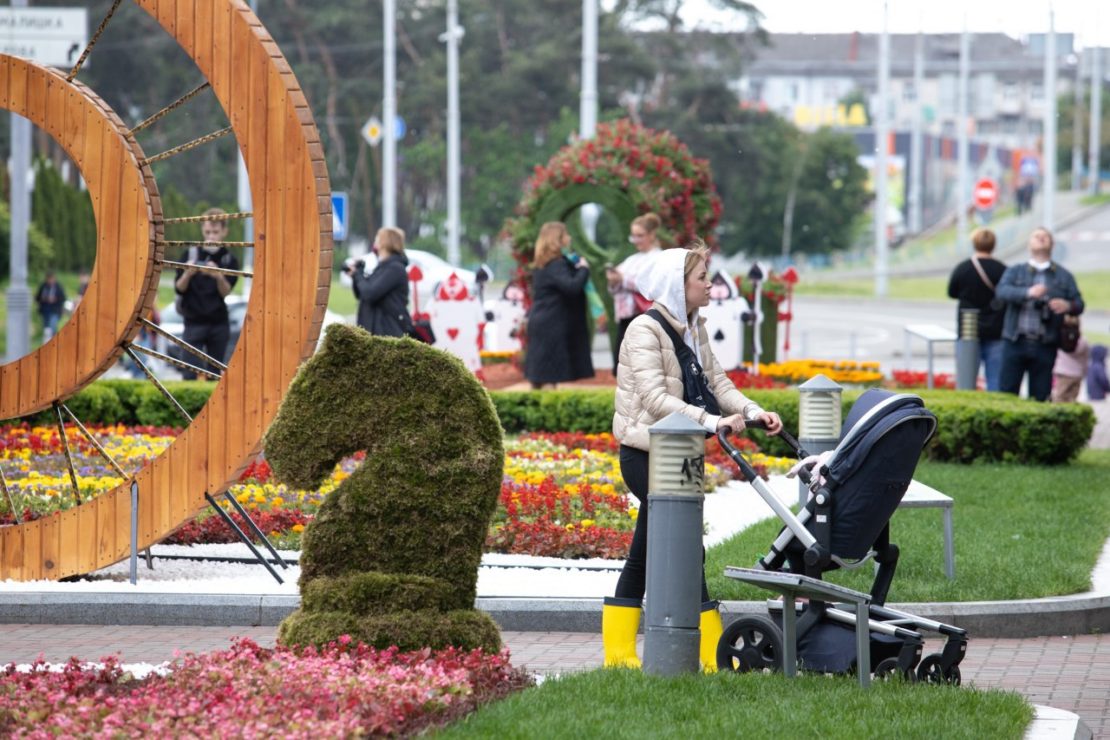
403, 535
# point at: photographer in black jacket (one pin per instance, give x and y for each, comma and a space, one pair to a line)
1037, 294
972, 283
202, 293
383, 295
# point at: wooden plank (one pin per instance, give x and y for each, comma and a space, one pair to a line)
9, 390
67, 541
11, 553
88, 524
50, 558
90, 304
108, 327
278, 247
216, 441
45, 363
17, 82
167, 15
202, 36
185, 26
32, 550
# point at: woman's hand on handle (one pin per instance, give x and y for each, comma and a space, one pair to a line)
772, 420
734, 422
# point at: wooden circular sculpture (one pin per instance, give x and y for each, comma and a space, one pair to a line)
270, 118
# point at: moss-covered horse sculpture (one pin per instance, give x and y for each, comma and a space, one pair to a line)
392, 556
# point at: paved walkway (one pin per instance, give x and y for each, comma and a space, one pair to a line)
1070, 673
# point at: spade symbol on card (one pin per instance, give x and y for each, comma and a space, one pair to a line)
719, 336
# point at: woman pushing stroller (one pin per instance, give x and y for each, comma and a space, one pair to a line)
650, 387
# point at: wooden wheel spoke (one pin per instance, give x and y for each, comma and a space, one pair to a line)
180, 101
158, 384
206, 268
174, 361
69, 454
93, 441
184, 345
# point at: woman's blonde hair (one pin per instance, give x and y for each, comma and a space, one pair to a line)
390, 240
698, 253
649, 222
549, 244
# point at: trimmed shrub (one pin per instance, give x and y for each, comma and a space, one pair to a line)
410, 522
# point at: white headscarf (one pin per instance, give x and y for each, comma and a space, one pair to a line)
665, 283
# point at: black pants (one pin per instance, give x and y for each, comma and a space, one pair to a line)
631, 584
1027, 356
211, 339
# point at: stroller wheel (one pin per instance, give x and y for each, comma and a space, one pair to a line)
750, 644
887, 670
930, 671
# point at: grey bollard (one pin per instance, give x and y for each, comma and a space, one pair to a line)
672, 610
967, 350
818, 419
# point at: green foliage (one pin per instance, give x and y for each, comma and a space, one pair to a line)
96, 404
399, 542
632, 704
65, 215
1022, 532
973, 427
40, 247
152, 408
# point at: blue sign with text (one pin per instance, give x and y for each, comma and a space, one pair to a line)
340, 216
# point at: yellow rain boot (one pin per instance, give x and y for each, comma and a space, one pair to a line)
711, 631
620, 621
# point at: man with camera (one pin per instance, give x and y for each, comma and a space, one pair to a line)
201, 292
1037, 294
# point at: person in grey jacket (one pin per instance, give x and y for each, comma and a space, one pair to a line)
383, 295
1037, 294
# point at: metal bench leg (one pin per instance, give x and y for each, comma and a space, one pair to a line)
863, 644
789, 637
949, 546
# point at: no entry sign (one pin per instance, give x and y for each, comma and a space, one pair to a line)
986, 194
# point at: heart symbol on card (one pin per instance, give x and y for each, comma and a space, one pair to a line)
453, 333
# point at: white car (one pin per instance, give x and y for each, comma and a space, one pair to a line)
434, 268
172, 322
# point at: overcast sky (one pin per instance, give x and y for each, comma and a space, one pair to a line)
1014, 17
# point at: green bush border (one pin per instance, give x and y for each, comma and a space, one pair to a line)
974, 426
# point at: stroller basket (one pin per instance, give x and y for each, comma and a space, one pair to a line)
854, 491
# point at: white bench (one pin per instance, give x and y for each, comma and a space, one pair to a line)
932, 334
921, 496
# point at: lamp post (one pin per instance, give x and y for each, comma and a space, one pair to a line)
818, 419
967, 350
676, 470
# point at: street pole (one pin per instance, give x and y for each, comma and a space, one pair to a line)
1049, 140
917, 176
389, 113
246, 205
1077, 129
963, 185
452, 37
18, 294
882, 246
1096, 121
587, 111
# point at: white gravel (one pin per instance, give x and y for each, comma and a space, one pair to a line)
729, 509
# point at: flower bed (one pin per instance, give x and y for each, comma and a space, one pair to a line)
562, 494
342, 690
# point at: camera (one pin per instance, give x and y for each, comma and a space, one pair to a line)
1041, 304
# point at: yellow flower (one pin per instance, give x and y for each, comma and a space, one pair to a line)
297, 527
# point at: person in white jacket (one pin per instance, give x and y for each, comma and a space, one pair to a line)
649, 388
628, 300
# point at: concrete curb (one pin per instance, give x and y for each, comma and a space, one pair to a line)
1050, 722
1083, 614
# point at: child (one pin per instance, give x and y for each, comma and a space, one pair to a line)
1069, 371
1097, 384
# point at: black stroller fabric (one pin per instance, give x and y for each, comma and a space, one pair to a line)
873, 468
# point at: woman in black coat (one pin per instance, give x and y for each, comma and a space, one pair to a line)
383, 295
558, 333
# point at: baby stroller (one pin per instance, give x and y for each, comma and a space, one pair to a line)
855, 490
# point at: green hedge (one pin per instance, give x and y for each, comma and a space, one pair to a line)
974, 426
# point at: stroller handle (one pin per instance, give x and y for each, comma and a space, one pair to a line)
787, 437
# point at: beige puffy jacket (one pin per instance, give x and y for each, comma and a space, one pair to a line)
649, 381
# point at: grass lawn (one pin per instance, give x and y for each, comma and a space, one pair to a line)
628, 704
1020, 532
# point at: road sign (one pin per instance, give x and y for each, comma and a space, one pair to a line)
986, 194
372, 131
340, 216
54, 36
